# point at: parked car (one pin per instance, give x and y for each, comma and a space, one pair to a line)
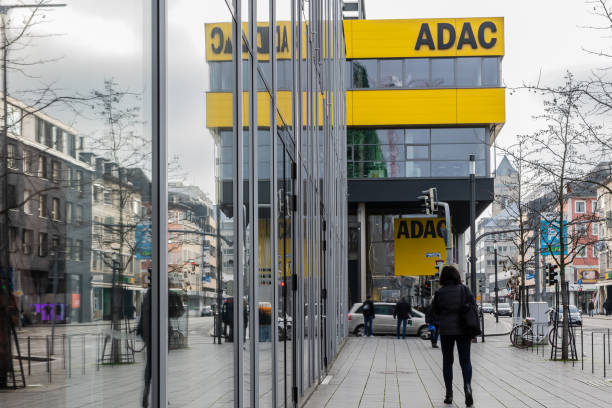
487, 308
504, 309
206, 311
575, 317
384, 323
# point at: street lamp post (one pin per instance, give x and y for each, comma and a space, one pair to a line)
473, 222
496, 286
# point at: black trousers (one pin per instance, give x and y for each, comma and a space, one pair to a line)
463, 347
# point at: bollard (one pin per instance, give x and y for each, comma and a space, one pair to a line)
97, 352
29, 359
69, 356
83, 343
592, 354
581, 348
64, 349
604, 353
608, 347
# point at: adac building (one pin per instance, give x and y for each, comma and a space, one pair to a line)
422, 96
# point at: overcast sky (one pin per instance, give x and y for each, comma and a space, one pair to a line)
99, 40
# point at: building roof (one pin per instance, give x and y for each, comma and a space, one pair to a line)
505, 168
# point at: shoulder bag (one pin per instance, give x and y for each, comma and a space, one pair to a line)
470, 320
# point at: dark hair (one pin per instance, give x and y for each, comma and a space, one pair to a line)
450, 275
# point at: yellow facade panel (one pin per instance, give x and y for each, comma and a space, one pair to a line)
219, 109
402, 107
476, 106
424, 38
396, 107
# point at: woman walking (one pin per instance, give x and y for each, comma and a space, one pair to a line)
449, 308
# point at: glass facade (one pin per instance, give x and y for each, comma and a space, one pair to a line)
424, 73
417, 152
173, 215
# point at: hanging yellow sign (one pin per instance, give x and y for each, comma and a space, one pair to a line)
418, 244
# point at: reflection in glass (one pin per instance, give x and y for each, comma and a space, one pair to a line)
417, 72
442, 72
490, 71
469, 72
391, 73
365, 73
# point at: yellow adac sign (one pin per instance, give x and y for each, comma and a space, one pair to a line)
418, 244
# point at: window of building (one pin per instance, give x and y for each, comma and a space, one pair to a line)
108, 197
14, 119
490, 71
136, 207
68, 213
68, 171
594, 206
27, 236
79, 180
391, 73
30, 203
55, 244
365, 73
11, 159
94, 260
580, 207
417, 73
79, 214
595, 251
55, 209
28, 162
55, 171
469, 72
69, 249
581, 252
442, 72
71, 144
42, 205
43, 244
97, 193
49, 131
78, 250
39, 130
42, 167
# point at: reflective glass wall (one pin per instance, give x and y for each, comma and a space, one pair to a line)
77, 204
174, 205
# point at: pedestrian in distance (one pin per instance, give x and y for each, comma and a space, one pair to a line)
402, 313
450, 306
368, 316
591, 308
432, 325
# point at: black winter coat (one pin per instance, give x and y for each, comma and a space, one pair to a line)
447, 309
402, 310
370, 309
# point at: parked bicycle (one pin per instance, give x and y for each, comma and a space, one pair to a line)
523, 335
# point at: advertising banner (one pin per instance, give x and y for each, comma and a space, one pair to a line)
418, 244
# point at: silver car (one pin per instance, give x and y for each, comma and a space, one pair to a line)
384, 323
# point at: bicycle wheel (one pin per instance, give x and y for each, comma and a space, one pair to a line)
135, 342
521, 336
558, 333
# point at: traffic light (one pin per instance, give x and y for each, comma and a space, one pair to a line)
427, 289
430, 198
481, 285
552, 274
417, 291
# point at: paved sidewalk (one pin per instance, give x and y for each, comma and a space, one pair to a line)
385, 372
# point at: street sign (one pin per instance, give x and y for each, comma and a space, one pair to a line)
580, 281
550, 238
418, 245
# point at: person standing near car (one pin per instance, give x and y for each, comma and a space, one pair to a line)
432, 325
449, 310
591, 307
402, 313
368, 316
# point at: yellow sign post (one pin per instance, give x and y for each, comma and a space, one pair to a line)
418, 245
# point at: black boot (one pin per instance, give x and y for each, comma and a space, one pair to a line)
469, 400
449, 397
